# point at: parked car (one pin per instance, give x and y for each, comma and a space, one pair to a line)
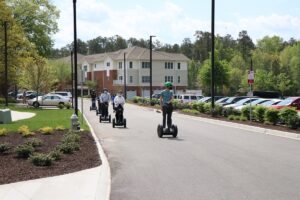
187, 98
271, 102
156, 96
232, 100
199, 97
63, 93
241, 102
253, 103
176, 96
48, 100
222, 100
293, 102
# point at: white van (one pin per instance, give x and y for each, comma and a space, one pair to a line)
186, 98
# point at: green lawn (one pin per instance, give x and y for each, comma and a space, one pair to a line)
43, 118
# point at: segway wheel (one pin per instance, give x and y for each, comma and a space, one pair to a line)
124, 123
175, 131
109, 119
113, 122
160, 131
100, 118
90, 108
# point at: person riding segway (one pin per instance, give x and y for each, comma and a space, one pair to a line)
104, 100
166, 98
93, 97
119, 102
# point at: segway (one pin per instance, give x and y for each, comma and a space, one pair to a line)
93, 107
98, 111
161, 131
119, 120
105, 116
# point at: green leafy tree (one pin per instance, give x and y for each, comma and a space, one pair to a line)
62, 73
284, 84
193, 69
245, 45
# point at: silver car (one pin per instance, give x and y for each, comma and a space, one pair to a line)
48, 100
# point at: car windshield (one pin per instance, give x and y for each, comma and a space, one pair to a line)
222, 100
244, 101
259, 101
230, 100
286, 102
204, 99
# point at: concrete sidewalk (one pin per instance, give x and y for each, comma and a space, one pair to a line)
89, 184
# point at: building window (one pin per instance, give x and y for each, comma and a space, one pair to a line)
95, 66
130, 64
120, 78
85, 67
130, 79
178, 79
108, 64
178, 65
146, 65
169, 79
145, 79
120, 65
168, 65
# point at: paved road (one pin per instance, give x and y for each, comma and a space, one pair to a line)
205, 162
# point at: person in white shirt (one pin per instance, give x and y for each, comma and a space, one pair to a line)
119, 102
104, 101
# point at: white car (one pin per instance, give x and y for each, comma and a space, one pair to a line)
187, 98
48, 100
241, 102
63, 93
271, 102
253, 103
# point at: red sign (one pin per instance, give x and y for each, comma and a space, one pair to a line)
250, 77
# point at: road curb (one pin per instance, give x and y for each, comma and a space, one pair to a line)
104, 181
246, 127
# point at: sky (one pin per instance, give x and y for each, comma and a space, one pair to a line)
173, 20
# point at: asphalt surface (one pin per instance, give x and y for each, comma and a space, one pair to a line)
205, 162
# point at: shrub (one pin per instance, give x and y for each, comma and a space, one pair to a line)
46, 130
71, 137
60, 128
68, 105
272, 116
34, 142
55, 154
24, 130
293, 122
3, 132
231, 117
154, 101
259, 113
207, 108
60, 106
237, 117
68, 147
230, 111
218, 109
286, 113
176, 102
243, 118
137, 99
24, 151
41, 159
4, 147
245, 112
191, 111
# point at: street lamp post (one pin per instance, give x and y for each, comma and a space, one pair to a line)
75, 58
125, 87
5, 63
213, 56
151, 36
72, 78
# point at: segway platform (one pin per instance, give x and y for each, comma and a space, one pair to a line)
172, 131
120, 123
104, 118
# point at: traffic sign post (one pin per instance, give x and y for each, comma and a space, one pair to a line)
250, 82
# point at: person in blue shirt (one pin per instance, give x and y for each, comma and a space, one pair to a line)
166, 97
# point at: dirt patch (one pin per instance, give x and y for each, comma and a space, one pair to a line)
13, 169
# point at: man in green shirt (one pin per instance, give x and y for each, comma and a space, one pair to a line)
166, 98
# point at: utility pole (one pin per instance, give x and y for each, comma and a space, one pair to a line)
5, 63
72, 78
125, 88
151, 36
75, 58
213, 56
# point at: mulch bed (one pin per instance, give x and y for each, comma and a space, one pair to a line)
13, 169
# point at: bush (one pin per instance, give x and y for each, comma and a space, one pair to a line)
207, 108
272, 116
243, 118
71, 138
40, 159
55, 154
60, 106
259, 113
68, 105
24, 151
154, 101
176, 102
231, 117
237, 117
137, 99
60, 128
4, 147
229, 111
245, 112
46, 130
24, 130
3, 132
68, 148
293, 122
286, 113
191, 111
218, 109
34, 142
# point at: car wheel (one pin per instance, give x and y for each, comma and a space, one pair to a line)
36, 104
61, 103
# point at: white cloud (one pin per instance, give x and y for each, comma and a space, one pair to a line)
170, 23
